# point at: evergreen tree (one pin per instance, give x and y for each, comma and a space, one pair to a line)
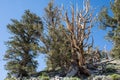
23, 46
65, 45
112, 21
55, 42
79, 25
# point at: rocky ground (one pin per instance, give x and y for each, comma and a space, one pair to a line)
112, 72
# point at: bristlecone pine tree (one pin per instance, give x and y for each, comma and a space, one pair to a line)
56, 44
23, 46
106, 20
79, 26
66, 44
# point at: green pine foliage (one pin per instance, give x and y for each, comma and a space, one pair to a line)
113, 22
23, 46
56, 44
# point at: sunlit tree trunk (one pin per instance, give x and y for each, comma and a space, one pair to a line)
79, 27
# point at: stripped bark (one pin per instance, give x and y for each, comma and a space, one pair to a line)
79, 27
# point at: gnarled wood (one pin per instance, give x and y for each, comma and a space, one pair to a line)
80, 29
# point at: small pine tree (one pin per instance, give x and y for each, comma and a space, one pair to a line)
23, 46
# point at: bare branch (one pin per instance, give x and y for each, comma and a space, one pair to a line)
80, 29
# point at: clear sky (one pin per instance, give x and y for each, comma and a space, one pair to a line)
14, 9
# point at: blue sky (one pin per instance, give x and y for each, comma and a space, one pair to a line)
14, 9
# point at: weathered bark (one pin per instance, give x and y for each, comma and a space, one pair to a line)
84, 71
76, 70
79, 27
72, 71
